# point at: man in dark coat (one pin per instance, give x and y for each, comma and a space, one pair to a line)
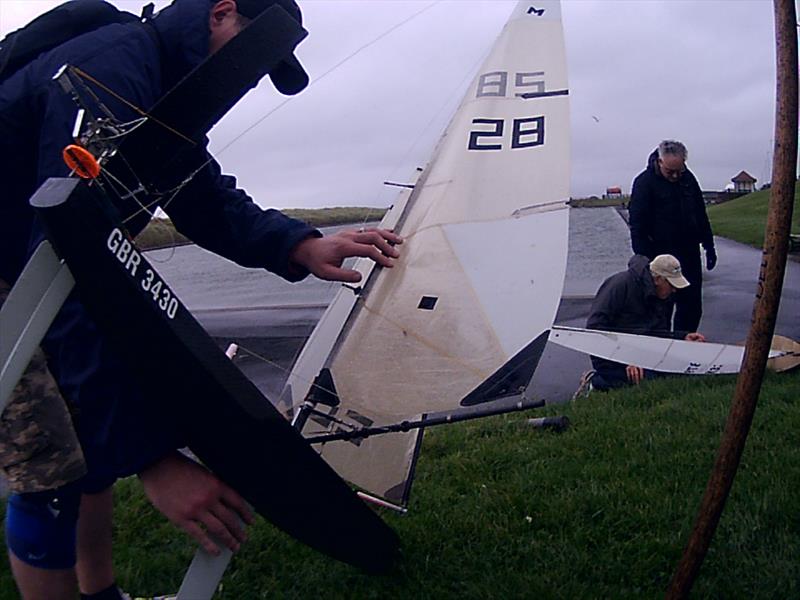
637, 301
116, 425
668, 216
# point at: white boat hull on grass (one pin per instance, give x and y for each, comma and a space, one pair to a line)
667, 355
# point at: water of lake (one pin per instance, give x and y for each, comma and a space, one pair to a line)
598, 246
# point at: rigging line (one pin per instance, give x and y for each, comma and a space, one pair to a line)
554, 204
145, 207
83, 74
100, 104
128, 193
283, 369
282, 104
78, 71
173, 247
467, 76
328, 72
131, 127
425, 342
161, 195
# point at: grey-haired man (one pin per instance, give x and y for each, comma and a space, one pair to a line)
668, 216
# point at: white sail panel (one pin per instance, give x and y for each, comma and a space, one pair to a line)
421, 360
380, 464
481, 270
533, 290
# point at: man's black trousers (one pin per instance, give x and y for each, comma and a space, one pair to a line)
689, 301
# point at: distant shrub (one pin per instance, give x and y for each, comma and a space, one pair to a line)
339, 215
595, 202
161, 233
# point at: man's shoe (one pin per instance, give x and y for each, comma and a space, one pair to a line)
585, 386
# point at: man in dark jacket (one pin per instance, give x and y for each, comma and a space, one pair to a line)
118, 432
668, 216
637, 301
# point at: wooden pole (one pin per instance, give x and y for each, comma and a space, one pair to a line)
765, 308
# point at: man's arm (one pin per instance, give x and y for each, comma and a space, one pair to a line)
639, 218
215, 214
607, 304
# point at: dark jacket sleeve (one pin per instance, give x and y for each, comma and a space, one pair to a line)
212, 212
608, 302
640, 212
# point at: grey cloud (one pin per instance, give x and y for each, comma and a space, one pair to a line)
700, 71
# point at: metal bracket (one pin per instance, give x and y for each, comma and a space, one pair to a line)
26, 315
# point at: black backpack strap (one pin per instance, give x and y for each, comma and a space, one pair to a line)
53, 28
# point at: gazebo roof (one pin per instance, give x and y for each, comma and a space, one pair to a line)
744, 177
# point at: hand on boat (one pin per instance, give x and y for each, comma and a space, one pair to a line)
711, 257
324, 256
695, 337
635, 374
192, 498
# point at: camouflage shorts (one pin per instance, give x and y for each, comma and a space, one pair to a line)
39, 449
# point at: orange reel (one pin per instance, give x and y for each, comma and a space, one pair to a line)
81, 161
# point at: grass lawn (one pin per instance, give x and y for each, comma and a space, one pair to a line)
500, 510
503, 511
745, 218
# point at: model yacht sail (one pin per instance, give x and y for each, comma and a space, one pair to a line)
462, 318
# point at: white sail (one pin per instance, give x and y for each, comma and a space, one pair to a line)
463, 316
665, 355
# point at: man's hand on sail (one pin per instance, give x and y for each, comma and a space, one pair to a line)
323, 256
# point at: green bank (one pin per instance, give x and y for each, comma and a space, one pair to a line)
745, 218
500, 510
161, 233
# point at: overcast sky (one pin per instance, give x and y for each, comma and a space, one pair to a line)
700, 71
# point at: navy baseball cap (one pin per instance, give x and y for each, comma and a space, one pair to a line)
288, 77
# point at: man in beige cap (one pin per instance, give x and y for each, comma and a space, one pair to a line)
637, 301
